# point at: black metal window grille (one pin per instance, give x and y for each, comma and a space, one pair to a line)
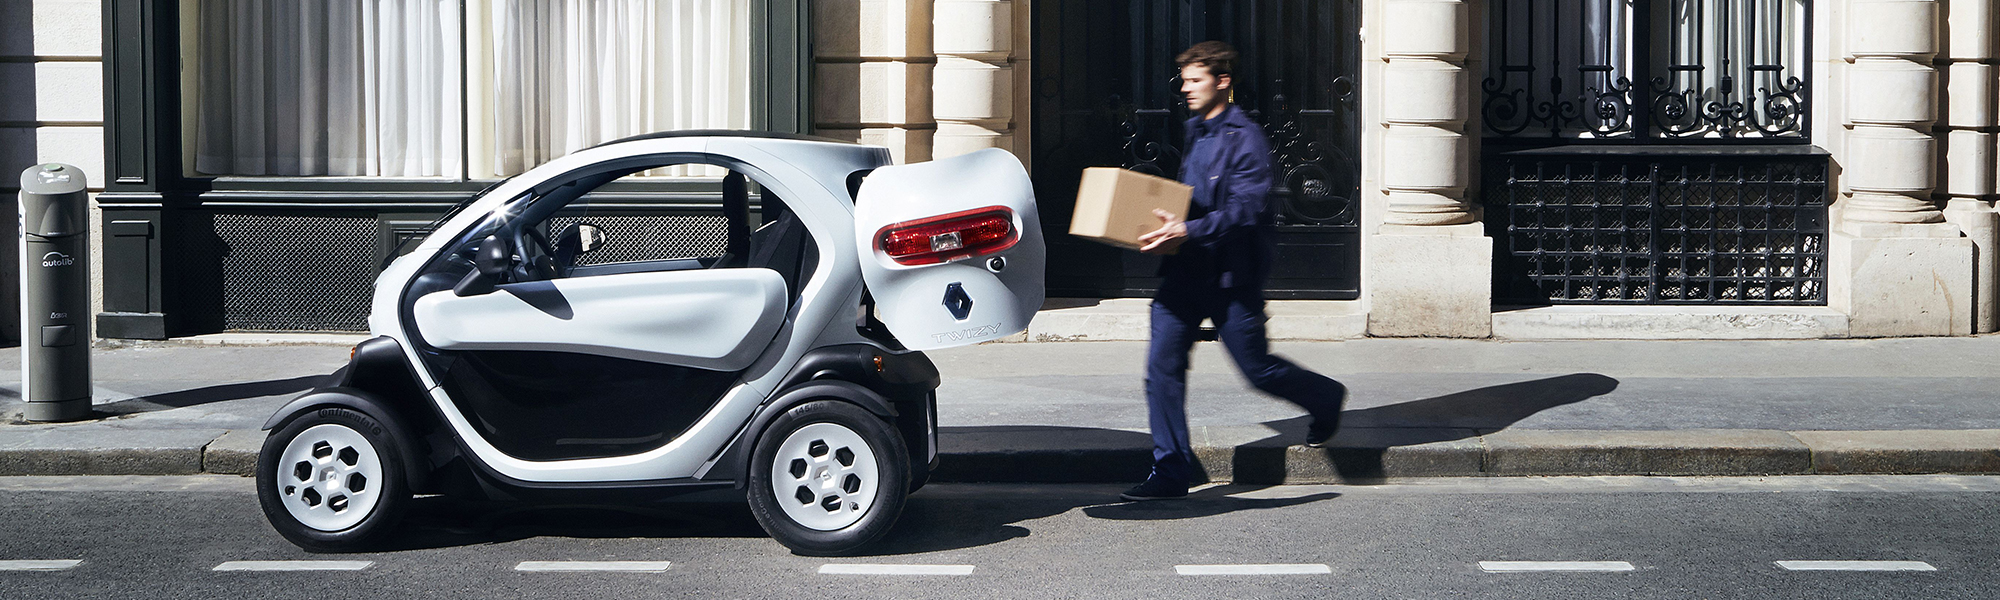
1653, 230
282, 272
1648, 71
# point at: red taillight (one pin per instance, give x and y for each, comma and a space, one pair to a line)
949, 237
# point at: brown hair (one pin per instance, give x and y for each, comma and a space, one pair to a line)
1219, 57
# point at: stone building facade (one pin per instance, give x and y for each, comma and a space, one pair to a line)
1902, 96
1859, 203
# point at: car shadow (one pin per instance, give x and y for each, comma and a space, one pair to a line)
210, 395
441, 522
933, 520
972, 515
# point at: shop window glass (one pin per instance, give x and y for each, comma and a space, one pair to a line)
395, 88
324, 87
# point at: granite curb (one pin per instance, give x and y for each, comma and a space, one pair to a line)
1241, 454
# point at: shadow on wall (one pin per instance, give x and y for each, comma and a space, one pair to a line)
18, 149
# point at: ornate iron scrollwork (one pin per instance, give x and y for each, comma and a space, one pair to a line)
1770, 112
1144, 151
1680, 89
1311, 194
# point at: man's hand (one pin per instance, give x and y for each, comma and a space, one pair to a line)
1166, 239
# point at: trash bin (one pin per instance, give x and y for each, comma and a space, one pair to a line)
55, 293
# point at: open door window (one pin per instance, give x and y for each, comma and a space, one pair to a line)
951, 249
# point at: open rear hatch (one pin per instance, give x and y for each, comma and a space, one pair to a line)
951, 249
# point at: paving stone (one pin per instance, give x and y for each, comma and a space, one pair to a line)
1685, 452
1962, 451
235, 453
1356, 455
1043, 454
99, 450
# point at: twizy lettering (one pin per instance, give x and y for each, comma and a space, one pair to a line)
965, 334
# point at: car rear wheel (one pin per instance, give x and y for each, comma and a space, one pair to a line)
828, 477
332, 480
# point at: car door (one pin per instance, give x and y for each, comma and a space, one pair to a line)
951, 250
611, 351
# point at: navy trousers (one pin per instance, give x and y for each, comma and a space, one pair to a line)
1239, 318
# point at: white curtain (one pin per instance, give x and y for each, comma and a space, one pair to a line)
329, 87
1605, 40
570, 74
1728, 38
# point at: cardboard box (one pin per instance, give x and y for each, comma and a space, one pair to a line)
1115, 206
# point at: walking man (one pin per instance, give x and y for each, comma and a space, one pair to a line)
1217, 257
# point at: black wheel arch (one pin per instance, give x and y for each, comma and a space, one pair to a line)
377, 381
898, 391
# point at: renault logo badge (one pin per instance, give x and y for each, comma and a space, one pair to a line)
957, 301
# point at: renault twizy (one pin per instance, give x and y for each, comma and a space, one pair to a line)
584, 329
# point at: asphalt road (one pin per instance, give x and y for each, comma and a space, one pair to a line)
165, 537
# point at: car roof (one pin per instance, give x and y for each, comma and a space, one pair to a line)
744, 133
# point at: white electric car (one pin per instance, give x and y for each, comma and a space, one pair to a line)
562, 334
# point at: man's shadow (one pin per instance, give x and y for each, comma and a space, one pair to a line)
1366, 435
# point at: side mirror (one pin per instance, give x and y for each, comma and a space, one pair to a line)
494, 258
490, 264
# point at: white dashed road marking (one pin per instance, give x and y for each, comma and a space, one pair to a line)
627, 566
294, 565
38, 565
1252, 569
1855, 565
1528, 566
852, 569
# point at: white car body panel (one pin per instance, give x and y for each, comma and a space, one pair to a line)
811, 176
710, 319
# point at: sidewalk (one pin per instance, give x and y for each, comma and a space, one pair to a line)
1073, 411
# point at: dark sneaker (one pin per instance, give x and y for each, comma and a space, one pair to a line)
1155, 489
1325, 425
1321, 431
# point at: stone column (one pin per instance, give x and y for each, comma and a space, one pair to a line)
973, 90
1428, 268
872, 72
1970, 72
1895, 267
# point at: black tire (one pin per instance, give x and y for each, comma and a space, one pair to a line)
854, 513
315, 500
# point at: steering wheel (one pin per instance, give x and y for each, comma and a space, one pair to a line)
537, 262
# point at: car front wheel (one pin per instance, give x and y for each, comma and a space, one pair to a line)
332, 480
828, 477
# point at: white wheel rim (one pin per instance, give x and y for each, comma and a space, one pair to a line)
824, 476
329, 477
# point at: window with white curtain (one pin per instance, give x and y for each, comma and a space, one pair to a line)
327, 87
395, 88
570, 74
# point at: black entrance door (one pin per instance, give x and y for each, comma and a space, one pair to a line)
1107, 93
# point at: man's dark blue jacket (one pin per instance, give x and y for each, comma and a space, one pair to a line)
1229, 221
